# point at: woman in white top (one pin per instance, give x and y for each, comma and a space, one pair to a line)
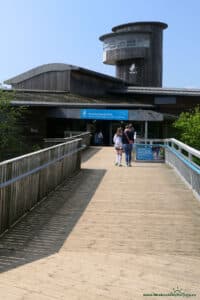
117, 139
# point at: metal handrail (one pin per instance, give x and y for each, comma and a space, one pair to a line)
181, 157
149, 141
171, 142
181, 146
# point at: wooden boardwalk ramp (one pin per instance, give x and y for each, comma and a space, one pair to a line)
107, 233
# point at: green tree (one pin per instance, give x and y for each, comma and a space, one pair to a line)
188, 125
11, 138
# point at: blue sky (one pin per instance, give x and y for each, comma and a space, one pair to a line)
35, 32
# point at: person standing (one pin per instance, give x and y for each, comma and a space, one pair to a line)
117, 139
100, 138
128, 140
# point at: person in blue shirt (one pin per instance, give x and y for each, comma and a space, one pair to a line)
128, 140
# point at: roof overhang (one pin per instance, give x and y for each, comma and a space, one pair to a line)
56, 67
145, 115
133, 114
78, 105
39, 70
157, 91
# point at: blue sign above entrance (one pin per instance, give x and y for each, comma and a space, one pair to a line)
103, 114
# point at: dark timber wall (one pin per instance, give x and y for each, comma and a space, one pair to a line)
55, 80
91, 85
65, 78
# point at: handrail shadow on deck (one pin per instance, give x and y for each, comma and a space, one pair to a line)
43, 231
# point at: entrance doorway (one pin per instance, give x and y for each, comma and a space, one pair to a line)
104, 127
109, 128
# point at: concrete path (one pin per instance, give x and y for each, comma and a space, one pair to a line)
107, 233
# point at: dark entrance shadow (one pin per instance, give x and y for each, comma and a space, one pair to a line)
43, 231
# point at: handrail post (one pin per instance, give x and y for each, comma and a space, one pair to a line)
190, 156
180, 157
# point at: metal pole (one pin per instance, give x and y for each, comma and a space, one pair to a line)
110, 133
146, 131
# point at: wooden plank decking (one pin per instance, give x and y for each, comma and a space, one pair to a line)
107, 233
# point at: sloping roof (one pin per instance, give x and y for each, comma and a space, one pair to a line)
157, 91
54, 67
39, 70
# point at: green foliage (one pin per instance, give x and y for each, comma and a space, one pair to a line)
35, 147
10, 130
188, 125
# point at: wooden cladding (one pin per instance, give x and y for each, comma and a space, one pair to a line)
26, 180
52, 81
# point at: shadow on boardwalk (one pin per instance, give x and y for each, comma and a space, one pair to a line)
89, 153
43, 231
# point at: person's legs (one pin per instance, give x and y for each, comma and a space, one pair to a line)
116, 158
126, 150
120, 157
130, 153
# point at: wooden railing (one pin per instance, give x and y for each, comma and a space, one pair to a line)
84, 136
26, 180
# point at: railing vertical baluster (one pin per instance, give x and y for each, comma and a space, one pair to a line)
183, 163
27, 179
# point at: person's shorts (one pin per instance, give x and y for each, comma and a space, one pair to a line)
118, 148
